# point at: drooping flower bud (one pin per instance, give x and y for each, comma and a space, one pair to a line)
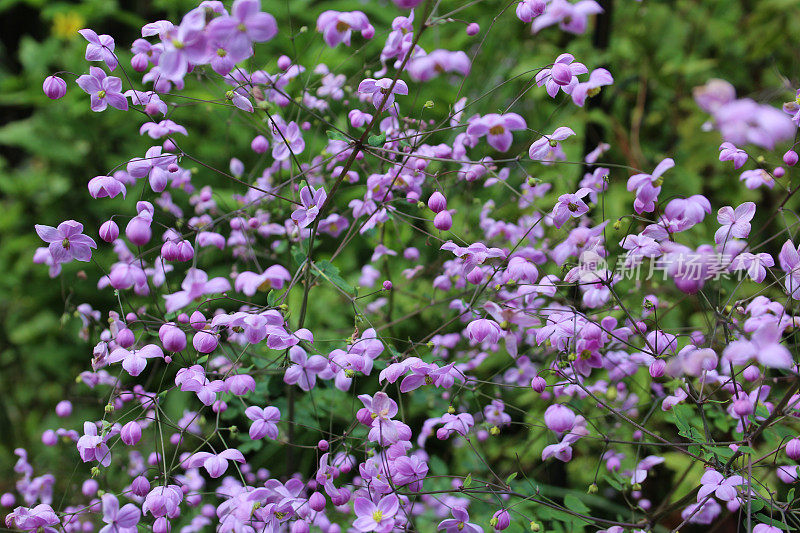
131, 433
138, 231
173, 339
109, 231
54, 87
437, 202
443, 221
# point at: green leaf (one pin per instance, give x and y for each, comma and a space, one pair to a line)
511, 478
330, 272
467, 481
773, 522
336, 135
573, 503
376, 140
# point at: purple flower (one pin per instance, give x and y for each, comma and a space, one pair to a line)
134, 361
337, 27
764, 346
92, 447
729, 152
562, 75
183, 45
572, 18
238, 31
311, 201
66, 242
38, 519
734, 223
722, 487
54, 87
378, 518
648, 187
427, 66
100, 48
497, 129
544, 148
119, 520
287, 139
195, 284
484, 329
272, 278
215, 464
598, 78
103, 90
570, 205
753, 179
106, 187
459, 523
527, 10
265, 421
754, 264
154, 166
304, 372
559, 418
384, 88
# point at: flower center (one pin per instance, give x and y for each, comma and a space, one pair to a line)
342, 26
497, 130
65, 244
572, 207
428, 380
242, 28
377, 516
101, 94
221, 52
177, 44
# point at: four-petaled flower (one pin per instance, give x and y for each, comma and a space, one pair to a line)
497, 129
570, 205
378, 518
67, 242
103, 90
382, 91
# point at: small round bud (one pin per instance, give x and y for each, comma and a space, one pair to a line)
7, 500
63, 408
284, 62
443, 221
125, 338
437, 202
316, 501
793, 449
538, 384
131, 433
138, 231
473, 29
790, 158
494, 430
49, 438
387, 285
779, 172
259, 144
204, 342
109, 231
54, 87
323, 445
657, 368
140, 486
592, 489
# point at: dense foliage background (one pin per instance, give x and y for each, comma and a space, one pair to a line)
48, 151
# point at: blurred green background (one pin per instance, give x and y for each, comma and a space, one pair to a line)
657, 52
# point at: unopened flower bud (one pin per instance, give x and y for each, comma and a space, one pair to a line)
54, 87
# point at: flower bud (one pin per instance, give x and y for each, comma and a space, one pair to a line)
387, 285
204, 342
131, 433
49, 438
140, 486
138, 231
185, 251
751, 373
260, 144
89, 488
54, 87
316, 501
173, 339
125, 338
109, 231
473, 29
742, 407
790, 158
7, 500
197, 320
284, 62
63, 408
793, 449
501, 520
538, 384
779, 172
323, 445
657, 368
443, 221
437, 202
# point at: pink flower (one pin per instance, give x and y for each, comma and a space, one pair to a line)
104, 90
311, 201
67, 242
722, 487
570, 205
119, 520
598, 78
304, 371
562, 75
648, 187
100, 48
559, 418
497, 129
383, 91
265, 421
378, 518
734, 223
134, 361
337, 27
195, 285
92, 447
546, 148
459, 523
729, 152
215, 464
273, 277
